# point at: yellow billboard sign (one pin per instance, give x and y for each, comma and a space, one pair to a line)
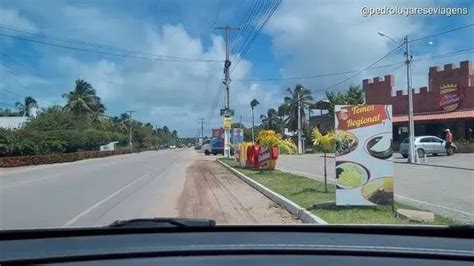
227, 122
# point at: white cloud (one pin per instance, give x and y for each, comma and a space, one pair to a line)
10, 16
162, 92
326, 37
103, 74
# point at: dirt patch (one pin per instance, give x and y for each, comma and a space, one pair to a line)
212, 192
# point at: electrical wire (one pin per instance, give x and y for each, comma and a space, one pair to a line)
244, 28
362, 70
443, 32
110, 53
217, 15
87, 43
265, 19
451, 54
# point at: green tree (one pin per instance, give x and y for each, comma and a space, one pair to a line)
83, 101
291, 102
354, 95
7, 111
326, 144
271, 120
24, 109
253, 104
54, 118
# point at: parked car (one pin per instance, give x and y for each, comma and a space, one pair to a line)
426, 145
172, 146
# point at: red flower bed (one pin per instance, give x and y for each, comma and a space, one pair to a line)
56, 158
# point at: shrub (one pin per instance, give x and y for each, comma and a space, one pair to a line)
56, 158
72, 140
94, 138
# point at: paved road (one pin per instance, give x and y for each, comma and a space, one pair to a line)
94, 192
444, 186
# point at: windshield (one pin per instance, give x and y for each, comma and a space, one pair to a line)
117, 110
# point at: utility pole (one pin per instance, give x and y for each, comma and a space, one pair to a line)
299, 123
411, 123
130, 127
156, 133
412, 158
227, 81
253, 126
202, 127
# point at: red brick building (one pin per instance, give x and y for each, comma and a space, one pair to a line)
447, 102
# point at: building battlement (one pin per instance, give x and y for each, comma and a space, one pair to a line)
459, 79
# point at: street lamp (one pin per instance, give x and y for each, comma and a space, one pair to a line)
411, 123
388, 37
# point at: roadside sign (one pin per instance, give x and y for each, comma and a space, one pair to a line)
227, 112
227, 122
364, 167
217, 132
237, 135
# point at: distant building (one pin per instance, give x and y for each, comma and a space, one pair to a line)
15, 122
447, 102
321, 118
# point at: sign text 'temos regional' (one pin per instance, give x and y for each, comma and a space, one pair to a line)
361, 116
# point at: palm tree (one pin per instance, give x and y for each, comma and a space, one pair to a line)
271, 120
25, 108
83, 100
282, 113
291, 101
253, 103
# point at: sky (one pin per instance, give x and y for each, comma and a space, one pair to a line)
302, 38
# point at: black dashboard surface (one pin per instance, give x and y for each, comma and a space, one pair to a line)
247, 245
276, 260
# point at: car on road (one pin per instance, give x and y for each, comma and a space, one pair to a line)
172, 146
425, 145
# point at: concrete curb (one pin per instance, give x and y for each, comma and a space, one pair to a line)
304, 215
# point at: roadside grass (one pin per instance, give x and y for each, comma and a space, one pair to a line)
309, 194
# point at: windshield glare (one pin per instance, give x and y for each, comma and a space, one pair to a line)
119, 110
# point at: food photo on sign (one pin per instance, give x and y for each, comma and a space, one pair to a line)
364, 169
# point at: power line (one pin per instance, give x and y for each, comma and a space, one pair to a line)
362, 70
18, 62
443, 32
265, 19
237, 12
109, 53
87, 43
317, 75
246, 28
451, 54
217, 15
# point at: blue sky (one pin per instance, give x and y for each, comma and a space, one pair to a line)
303, 37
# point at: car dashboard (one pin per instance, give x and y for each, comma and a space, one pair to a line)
241, 245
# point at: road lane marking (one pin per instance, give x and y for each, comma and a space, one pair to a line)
399, 196
73, 220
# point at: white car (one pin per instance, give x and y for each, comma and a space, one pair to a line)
172, 146
206, 147
426, 145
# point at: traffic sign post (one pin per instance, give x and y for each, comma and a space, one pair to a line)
227, 112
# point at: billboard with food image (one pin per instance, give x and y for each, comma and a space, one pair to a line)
364, 169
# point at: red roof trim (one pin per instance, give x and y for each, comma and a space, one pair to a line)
436, 117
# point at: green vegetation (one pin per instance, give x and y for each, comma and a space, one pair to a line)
80, 125
354, 95
309, 194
